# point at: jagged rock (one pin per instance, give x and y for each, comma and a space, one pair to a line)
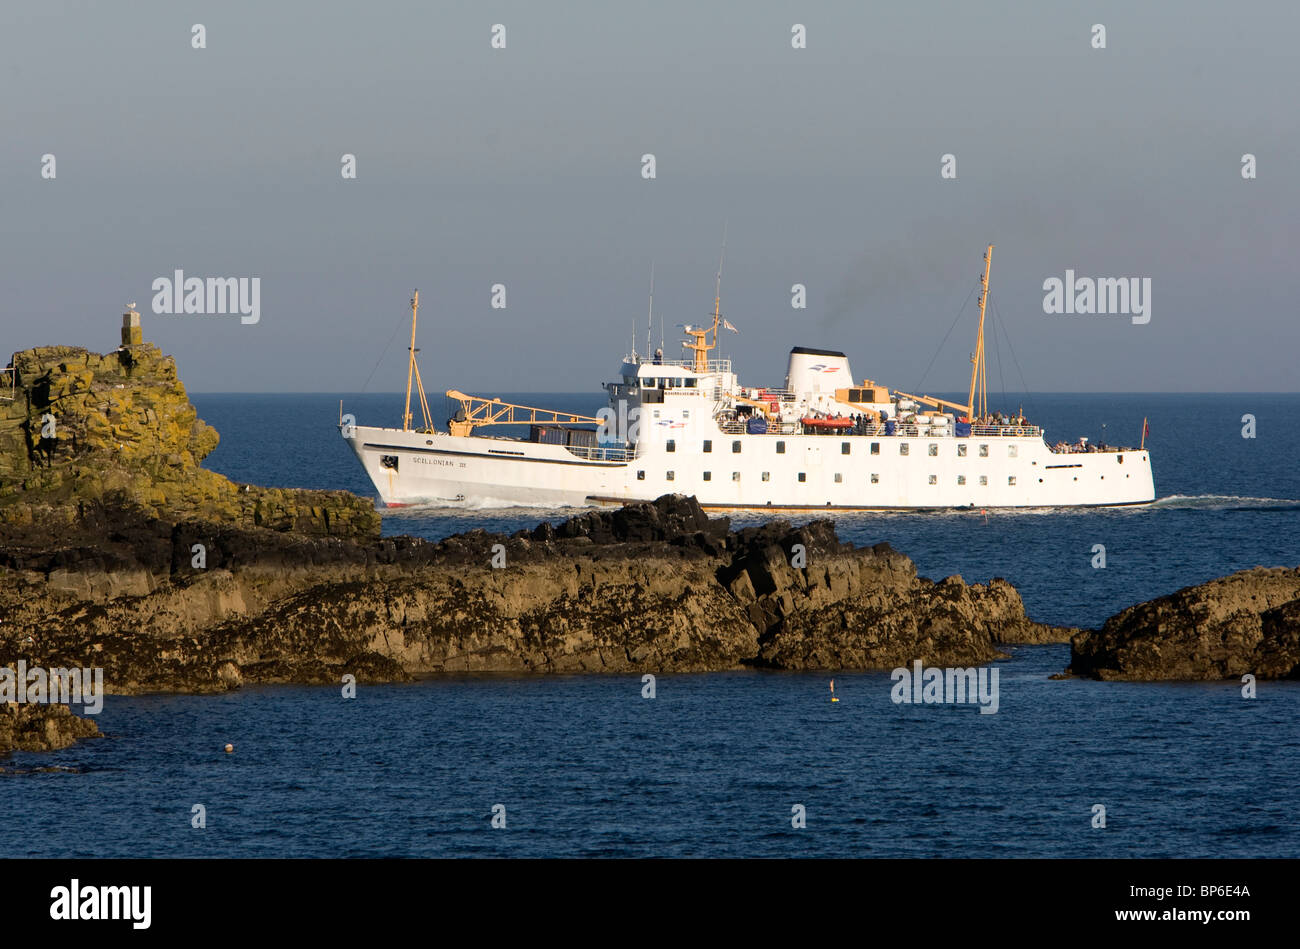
26, 727
1248, 622
652, 587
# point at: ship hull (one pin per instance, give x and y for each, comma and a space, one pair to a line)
808, 472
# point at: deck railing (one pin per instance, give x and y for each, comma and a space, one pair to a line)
1014, 430
602, 454
712, 365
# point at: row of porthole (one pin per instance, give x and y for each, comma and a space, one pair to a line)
904, 448
839, 478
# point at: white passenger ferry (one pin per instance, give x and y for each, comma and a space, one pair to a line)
821, 440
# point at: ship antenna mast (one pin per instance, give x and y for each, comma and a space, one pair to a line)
700, 345
650, 318
977, 376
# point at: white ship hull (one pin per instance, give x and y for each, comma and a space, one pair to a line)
819, 441
447, 470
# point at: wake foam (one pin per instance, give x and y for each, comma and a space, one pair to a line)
1224, 502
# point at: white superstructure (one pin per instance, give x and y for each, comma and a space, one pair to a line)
820, 441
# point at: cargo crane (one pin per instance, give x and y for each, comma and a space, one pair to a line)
475, 411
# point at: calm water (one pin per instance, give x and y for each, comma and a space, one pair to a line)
714, 763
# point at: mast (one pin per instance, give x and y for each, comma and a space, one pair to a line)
977, 378
410, 366
700, 346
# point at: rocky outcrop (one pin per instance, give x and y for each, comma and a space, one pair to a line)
41, 727
118, 429
1248, 622
654, 587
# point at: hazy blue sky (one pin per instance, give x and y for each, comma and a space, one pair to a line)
522, 166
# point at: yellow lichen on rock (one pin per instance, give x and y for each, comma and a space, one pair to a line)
119, 428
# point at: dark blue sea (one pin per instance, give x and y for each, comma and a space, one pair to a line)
714, 764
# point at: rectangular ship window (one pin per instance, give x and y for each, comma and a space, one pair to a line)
875, 448
984, 479
984, 451
845, 448
780, 448
640, 476
839, 478
1011, 451
735, 448
903, 448
961, 479
934, 479
670, 476
708, 446
672, 445
767, 476
735, 476
1011, 479
961, 451
934, 449
875, 478
802, 477
708, 476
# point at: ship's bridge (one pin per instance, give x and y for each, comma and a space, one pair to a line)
650, 379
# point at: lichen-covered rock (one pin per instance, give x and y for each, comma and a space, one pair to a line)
118, 428
1248, 622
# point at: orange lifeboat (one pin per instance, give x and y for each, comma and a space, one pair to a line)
830, 424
